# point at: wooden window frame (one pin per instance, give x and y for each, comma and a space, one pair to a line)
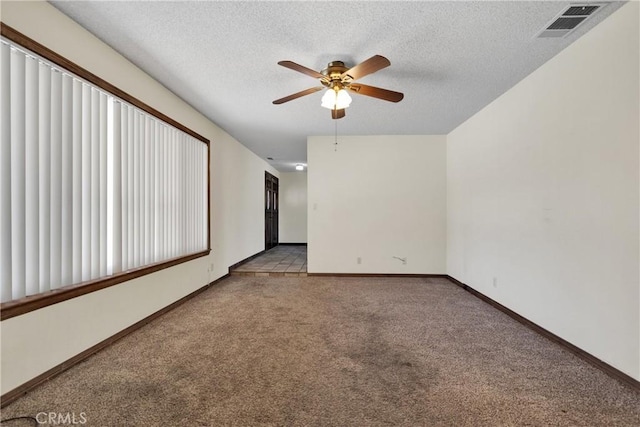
34, 302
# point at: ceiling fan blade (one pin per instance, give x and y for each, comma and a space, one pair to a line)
301, 69
376, 92
337, 114
371, 65
298, 95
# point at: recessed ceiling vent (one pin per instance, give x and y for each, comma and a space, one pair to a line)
569, 19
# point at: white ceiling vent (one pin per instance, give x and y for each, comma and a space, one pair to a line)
569, 19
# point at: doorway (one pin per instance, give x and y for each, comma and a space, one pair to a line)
270, 211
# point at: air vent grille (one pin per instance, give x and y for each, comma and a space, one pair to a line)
569, 19
565, 23
580, 10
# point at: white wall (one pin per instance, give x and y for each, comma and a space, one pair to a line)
293, 207
543, 195
377, 197
35, 342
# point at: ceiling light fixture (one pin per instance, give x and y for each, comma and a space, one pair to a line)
299, 167
336, 98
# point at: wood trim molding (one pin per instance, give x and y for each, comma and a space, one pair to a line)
587, 357
14, 394
424, 276
209, 196
34, 302
292, 244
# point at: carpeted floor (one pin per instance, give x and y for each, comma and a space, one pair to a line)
321, 351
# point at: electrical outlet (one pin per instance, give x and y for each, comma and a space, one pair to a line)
358, 260
495, 282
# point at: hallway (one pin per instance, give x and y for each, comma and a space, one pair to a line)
283, 260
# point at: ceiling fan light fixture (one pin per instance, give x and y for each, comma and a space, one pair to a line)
343, 100
329, 99
336, 99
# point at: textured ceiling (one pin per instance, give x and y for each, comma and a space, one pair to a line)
449, 58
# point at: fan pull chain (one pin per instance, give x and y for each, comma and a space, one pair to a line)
335, 144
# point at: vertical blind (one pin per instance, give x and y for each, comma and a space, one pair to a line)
90, 186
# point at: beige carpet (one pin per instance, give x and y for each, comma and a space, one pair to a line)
335, 352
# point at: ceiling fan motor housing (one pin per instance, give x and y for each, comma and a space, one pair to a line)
334, 72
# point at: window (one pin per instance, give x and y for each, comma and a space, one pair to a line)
95, 187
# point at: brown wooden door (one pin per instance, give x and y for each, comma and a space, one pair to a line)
271, 204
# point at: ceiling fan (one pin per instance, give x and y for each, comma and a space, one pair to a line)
340, 80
